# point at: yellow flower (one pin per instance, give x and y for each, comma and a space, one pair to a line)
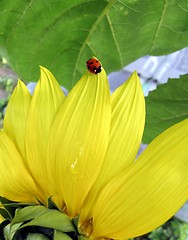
81, 150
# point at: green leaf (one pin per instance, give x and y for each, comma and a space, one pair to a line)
165, 106
62, 35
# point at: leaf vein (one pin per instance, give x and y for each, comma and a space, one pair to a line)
115, 40
159, 25
183, 9
25, 10
130, 8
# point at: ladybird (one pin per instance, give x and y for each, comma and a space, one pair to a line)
93, 65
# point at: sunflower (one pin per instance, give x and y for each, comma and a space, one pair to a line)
78, 153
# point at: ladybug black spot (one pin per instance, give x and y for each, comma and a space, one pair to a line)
98, 70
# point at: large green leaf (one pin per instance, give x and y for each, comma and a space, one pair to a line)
167, 105
62, 35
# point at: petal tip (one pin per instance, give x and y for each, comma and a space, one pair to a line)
43, 69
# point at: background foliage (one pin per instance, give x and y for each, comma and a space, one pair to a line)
62, 35
166, 106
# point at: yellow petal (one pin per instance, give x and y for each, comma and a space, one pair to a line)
150, 192
1, 219
45, 103
128, 119
127, 125
15, 182
79, 139
16, 116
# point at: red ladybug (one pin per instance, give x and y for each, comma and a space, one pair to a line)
93, 65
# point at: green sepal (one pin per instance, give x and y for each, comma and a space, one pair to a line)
2, 227
44, 217
51, 219
33, 220
51, 204
11, 206
37, 236
59, 236
4, 200
39, 202
5, 214
81, 237
75, 222
10, 232
28, 213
